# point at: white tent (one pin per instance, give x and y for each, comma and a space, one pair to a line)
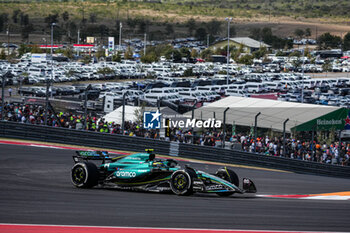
117, 115
242, 111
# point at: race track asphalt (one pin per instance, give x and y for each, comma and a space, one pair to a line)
35, 188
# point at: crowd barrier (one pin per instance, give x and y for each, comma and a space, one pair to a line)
137, 144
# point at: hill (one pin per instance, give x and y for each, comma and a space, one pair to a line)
169, 18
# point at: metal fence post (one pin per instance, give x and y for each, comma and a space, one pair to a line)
224, 127
312, 141
158, 107
88, 88
284, 136
3, 97
123, 114
255, 130
193, 108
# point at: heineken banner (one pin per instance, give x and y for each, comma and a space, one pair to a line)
337, 120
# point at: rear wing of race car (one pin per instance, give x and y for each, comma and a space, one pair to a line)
91, 155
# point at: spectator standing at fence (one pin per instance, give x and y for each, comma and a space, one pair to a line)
10, 92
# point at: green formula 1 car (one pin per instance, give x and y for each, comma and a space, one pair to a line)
142, 171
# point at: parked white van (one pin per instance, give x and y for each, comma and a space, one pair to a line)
240, 93
255, 87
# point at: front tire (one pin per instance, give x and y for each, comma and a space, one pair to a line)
84, 175
181, 183
230, 176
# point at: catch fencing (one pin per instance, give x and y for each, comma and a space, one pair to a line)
137, 144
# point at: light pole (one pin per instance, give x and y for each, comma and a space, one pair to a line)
8, 39
144, 46
120, 36
302, 78
48, 80
88, 88
207, 41
228, 47
78, 42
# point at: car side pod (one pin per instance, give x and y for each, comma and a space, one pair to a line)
248, 186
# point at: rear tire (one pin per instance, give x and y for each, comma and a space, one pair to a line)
230, 176
181, 183
84, 175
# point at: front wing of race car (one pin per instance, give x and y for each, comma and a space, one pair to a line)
213, 184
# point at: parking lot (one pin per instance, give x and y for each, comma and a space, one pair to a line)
169, 82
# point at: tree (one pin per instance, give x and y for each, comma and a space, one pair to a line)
266, 35
307, 32
65, 16
206, 55
169, 29
3, 20
149, 58
130, 22
143, 26
299, 33
15, 14
194, 53
93, 17
214, 27
201, 34
58, 32
327, 66
346, 42
23, 49
260, 53
104, 71
191, 26
51, 18
24, 19
188, 72
232, 31
246, 59
255, 33
104, 30
73, 30
86, 59
328, 41
185, 52
100, 53
128, 53
117, 57
68, 52
173, 55
2, 54
25, 31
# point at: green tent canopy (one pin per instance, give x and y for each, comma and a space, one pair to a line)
334, 120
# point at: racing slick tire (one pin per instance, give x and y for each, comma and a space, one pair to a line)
230, 176
84, 175
181, 183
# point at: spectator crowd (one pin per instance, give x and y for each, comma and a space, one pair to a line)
334, 153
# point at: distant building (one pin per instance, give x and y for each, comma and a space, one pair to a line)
249, 45
335, 53
219, 58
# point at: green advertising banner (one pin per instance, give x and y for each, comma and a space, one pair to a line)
333, 120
